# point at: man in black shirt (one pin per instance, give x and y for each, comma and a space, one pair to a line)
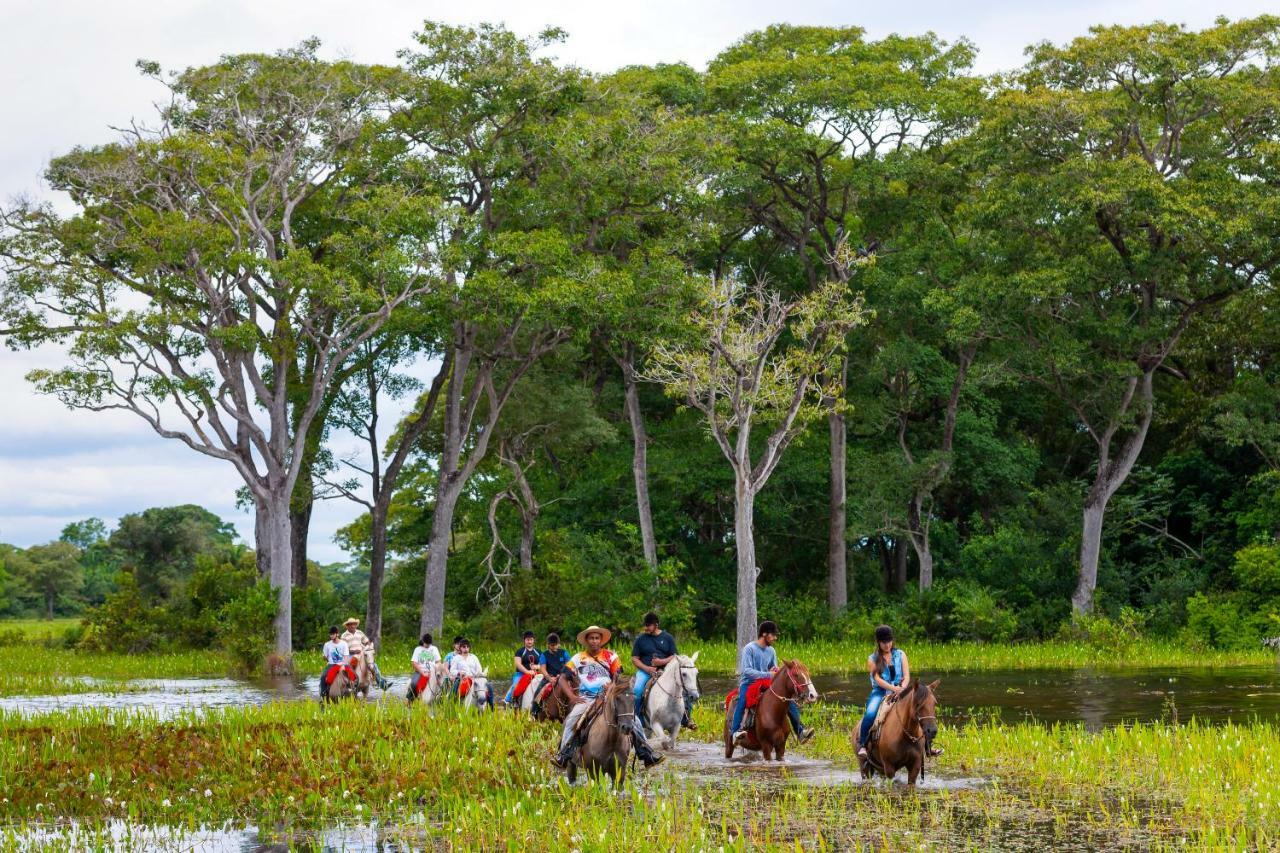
526, 664
651, 651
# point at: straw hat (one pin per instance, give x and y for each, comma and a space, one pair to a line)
352, 621
594, 629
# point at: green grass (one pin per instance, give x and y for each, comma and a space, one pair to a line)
36, 630
440, 777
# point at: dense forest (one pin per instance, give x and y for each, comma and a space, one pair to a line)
832, 332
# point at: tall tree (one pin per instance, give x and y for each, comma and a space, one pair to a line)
754, 358
1130, 190
813, 113
192, 273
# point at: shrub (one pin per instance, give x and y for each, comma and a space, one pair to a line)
1257, 568
976, 615
246, 632
1105, 633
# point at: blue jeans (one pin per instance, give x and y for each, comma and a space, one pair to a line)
869, 717
515, 679
642, 678
740, 710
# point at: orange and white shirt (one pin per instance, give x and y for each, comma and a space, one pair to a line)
594, 672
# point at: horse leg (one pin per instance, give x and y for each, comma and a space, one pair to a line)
728, 737
782, 748
914, 770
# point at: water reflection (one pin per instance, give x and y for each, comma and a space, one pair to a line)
1097, 698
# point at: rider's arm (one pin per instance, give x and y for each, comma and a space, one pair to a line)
636, 662
906, 672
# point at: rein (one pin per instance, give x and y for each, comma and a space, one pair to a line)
796, 686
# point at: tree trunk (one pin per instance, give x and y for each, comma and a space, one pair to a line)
837, 559
261, 539
639, 459
377, 567
744, 539
300, 527
280, 562
1112, 472
447, 494
919, 536
48, 604
1090, 550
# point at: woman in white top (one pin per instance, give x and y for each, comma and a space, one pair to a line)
466, 665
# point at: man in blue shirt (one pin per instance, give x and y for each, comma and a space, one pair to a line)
759, 660
650, 652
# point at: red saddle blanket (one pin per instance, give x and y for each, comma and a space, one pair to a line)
521, 686
754, 690
464, 686
332, 672
418, 684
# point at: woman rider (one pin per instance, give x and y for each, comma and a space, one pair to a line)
890, 675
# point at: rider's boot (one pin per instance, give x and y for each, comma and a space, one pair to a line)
565, 757
688, 723
805, 734
645, 752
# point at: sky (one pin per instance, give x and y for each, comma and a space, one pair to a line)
67, 76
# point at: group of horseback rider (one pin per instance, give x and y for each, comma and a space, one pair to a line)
597, 666
342, 650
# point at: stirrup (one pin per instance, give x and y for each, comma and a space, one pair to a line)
805, 734
740, 737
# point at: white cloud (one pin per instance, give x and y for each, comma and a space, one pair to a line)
67, 72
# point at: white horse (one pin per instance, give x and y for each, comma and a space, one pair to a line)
435, 687
478, 696
531, 692
665, 708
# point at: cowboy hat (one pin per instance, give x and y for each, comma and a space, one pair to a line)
594, 629
352, 621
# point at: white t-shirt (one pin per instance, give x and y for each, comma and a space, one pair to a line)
424, 657
336, 652
467, 664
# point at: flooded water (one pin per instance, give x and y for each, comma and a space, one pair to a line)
123, 836
706, 762
1097, 698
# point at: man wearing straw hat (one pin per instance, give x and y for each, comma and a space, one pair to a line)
360, 644
596, 667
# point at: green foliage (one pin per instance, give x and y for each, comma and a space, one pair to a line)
1104, 634
246, 620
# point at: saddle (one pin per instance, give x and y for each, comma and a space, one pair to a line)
881, 714
418, 683
521, 686
332, 672
464, 686
585, 721
754, 691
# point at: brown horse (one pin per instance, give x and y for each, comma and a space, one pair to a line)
906, 731
606, 739
564, 695
769, 733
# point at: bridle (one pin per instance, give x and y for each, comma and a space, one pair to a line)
807, 683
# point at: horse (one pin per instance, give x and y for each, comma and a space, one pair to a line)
340, 688
364, 678
606, 738
769, 732
536, 683
664, 707
478, 695
564, 695
435, 686
906, 730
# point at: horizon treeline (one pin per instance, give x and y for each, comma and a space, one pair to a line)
835, 331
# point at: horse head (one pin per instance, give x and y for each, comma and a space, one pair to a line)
801, 681
926, 708
689, 676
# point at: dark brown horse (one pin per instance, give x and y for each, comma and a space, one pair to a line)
906, 731
563, 696
606, 737
769, 733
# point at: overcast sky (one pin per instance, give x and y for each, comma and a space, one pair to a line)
67, 76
